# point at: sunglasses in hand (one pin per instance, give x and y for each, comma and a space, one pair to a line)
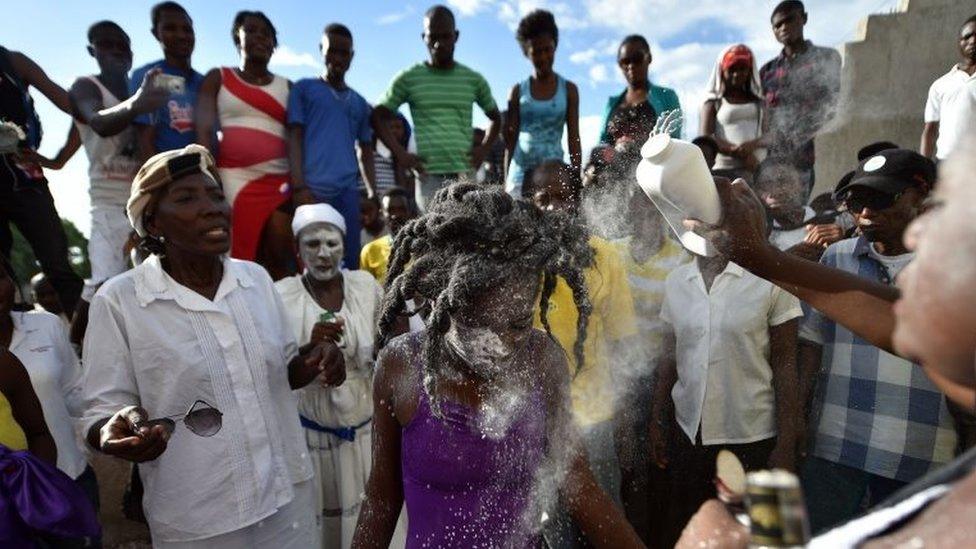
201, 419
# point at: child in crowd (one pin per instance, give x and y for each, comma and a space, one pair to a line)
388, 173
374, 225
326, 121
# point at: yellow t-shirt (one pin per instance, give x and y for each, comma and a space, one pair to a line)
612, 320
647, 288
375, 257
11, 435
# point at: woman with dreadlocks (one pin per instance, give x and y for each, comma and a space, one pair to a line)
472, 421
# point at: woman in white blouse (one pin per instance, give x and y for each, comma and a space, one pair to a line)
190, 324
728, 372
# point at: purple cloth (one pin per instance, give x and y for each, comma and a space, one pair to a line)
465, 488
37, 498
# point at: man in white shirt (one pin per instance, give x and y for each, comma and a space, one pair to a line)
950, 111
731, 378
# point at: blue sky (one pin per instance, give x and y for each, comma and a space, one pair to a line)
686, 37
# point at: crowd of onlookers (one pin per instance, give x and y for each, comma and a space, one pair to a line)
251, 395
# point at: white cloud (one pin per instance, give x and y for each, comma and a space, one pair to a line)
468, 8
395, 17
287, 57
598, 74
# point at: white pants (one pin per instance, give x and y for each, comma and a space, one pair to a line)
291, 527
109, 232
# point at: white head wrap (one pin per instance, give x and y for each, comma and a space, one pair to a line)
317, 213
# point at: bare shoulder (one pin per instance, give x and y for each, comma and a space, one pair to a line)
571, 89
395, 380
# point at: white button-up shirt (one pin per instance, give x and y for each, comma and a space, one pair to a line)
722, 350
155, 343
41, 343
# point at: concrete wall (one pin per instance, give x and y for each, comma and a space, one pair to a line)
885, 79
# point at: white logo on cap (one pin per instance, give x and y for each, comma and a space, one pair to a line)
875, 163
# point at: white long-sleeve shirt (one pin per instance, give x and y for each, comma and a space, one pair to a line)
40, 342
155, 343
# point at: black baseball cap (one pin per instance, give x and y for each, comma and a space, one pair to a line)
890, 171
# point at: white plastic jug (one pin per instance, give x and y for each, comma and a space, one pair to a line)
673, 174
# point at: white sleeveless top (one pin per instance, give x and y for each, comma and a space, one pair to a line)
736, 123
112, 162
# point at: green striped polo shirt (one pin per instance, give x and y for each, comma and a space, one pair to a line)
440, 105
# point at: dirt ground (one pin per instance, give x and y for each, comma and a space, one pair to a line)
118, 532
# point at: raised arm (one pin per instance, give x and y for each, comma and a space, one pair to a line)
384, 489
87, 105
33, 75
206, 111
26, 408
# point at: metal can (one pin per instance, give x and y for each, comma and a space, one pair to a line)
777, 514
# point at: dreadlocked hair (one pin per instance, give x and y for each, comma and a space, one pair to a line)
471, 239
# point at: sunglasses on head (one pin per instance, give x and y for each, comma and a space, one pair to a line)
204, 421
856, 201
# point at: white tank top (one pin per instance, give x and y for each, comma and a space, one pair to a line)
112, 162
736, 123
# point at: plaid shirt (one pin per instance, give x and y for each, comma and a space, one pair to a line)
800, 93
873, 411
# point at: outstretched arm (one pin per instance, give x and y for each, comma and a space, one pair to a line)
862, 306
33, 75
88, 108
70, 147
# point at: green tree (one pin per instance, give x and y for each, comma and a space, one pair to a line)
26, 266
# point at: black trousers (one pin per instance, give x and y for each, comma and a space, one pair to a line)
28, 204
691, 469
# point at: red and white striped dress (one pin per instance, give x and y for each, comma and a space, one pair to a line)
253, 155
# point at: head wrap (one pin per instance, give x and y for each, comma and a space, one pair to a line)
729, 57
310, 214
161, 170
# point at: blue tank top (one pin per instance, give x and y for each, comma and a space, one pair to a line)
540, 135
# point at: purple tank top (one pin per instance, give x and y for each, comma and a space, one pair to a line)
464, 488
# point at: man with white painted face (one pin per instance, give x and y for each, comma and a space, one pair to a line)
326, 303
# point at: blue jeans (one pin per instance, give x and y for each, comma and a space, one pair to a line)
346, 200
836, 493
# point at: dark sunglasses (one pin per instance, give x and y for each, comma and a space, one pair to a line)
204, 421
856, 201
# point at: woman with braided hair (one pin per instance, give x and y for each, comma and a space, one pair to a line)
472, 421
